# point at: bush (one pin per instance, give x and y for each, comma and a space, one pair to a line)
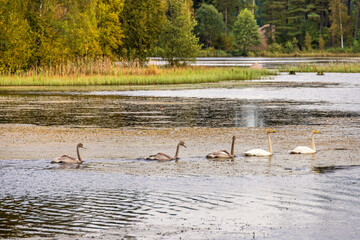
275, 48
356, 46
288, 48
321, 43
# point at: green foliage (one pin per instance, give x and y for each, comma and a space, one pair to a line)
177, 43
288, 48
321, 43
307, 41
245, 31
16, 39
210, 25
142, 76
356, 46
275, 48
110, 31
142, 21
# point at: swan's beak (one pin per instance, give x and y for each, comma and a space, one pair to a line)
84, 147
184, 146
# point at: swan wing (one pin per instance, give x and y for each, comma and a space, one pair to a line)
257, 152
65, 159
302, 150
219, 154
159, 156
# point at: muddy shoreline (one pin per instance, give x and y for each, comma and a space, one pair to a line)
126, 149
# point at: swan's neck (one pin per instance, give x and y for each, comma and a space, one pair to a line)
269, 140
232, 148
78, 154
177, 151
313, 142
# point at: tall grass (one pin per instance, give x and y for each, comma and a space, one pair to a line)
137, 76
331, 67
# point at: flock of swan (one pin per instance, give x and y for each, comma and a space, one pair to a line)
222, 154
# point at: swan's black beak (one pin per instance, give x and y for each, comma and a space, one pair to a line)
84, 147
184, 146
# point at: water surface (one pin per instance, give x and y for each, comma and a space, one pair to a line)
40, 199
283, 100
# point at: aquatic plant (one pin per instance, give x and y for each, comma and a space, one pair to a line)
138, 76
321, 68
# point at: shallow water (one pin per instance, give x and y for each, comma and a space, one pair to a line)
94, 200
264, 61
41, 199
283, 100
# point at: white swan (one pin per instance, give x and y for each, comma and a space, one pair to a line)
223, 153
261, 152
68, 159
306, 150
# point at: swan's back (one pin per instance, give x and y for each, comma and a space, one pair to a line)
302, 150
65, 159
219, 154
258, 153
160, 157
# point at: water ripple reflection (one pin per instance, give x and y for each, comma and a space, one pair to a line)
51, 201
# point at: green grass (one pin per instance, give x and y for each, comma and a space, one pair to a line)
331, 67
140, 76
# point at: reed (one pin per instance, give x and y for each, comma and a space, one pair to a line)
138, 76
331, 67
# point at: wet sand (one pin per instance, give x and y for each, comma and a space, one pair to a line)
337, 145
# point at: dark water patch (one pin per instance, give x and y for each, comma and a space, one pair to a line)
331, 169
124, 111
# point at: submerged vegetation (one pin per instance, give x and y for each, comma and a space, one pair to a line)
136, 76
321, 68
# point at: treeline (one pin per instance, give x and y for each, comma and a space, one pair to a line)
38, 34
288, 25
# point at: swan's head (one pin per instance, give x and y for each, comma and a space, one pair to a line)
181, 143
315, 131
80, 145
270, 131
234, 138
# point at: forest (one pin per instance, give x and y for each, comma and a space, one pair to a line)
38, 34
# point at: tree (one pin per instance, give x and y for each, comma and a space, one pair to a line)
307, 41
110, 31
274, 16
16, 38
339, 22
245, 31
142, 21
296, 19
209, 24
177, 42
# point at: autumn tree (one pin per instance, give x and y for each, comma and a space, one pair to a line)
142, 22
110, 32
16, 39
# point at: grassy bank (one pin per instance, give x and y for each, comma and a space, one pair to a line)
331, 67
139, 76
